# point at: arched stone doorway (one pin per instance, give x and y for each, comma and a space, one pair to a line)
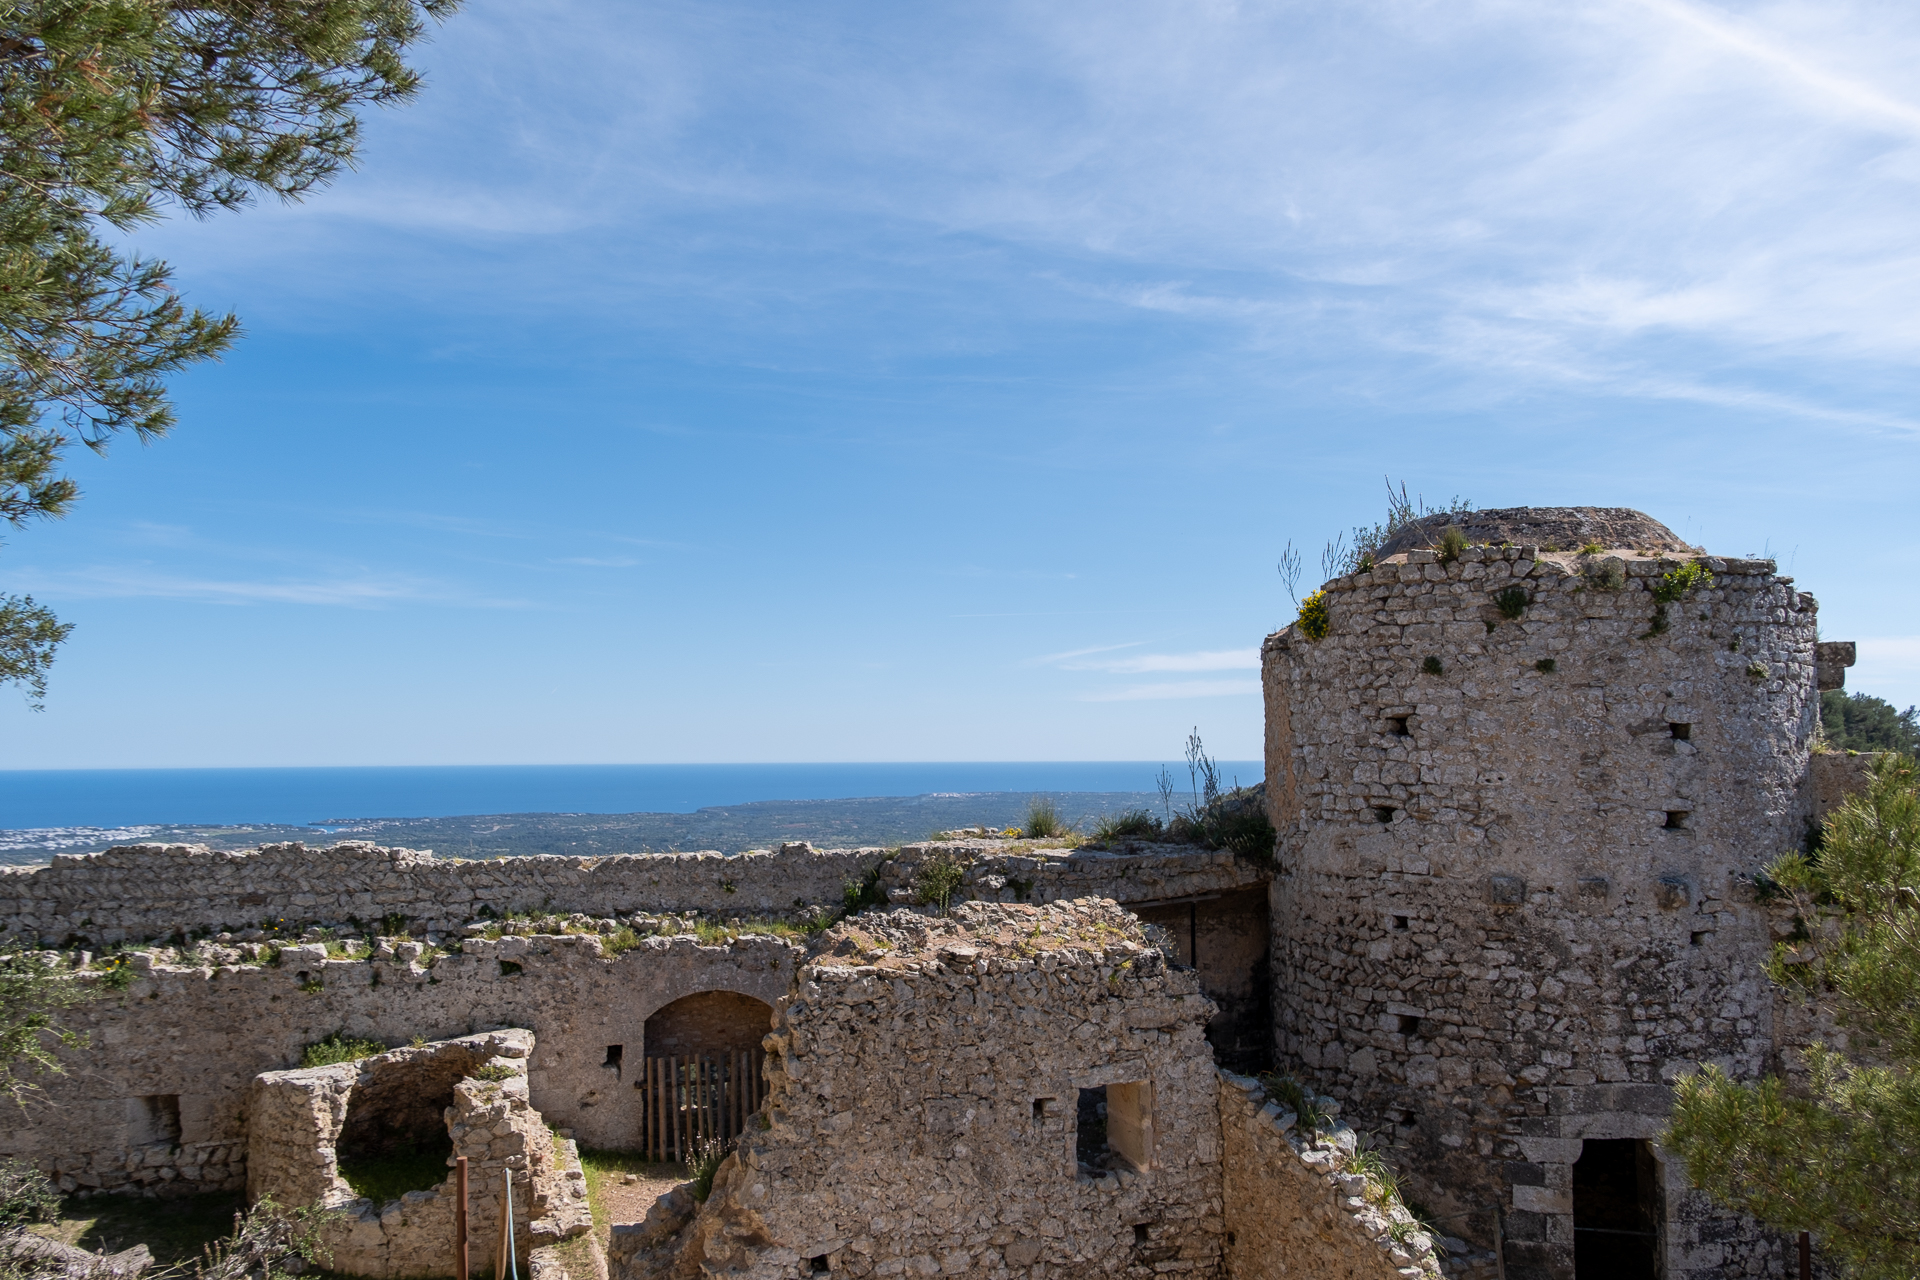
704, 1071
708, 1024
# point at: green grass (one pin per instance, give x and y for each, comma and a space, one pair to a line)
1044, 820
176, 1230
1135, 824
338, 1048
936, 879
381, 1178
1512, 603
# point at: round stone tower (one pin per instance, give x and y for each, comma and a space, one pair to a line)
1521, 796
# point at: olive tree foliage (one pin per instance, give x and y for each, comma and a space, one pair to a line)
35, 995
112, 111
1839, 1154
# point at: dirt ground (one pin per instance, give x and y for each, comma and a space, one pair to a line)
616, 1200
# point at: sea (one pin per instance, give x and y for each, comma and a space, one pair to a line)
38, 799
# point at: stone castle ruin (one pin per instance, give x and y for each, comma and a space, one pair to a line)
1520, 790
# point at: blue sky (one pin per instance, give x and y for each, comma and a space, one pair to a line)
734, 382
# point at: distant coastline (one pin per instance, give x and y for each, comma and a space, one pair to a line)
496, 811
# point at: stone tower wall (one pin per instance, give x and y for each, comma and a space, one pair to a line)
1513, 899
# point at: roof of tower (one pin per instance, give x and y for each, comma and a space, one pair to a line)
1558, 528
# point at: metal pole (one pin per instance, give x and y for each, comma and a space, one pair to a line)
461, 1268
513, 1269
1806, 1256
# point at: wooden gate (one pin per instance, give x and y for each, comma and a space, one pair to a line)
691, 1101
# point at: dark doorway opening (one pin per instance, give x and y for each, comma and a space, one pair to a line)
1616, 1211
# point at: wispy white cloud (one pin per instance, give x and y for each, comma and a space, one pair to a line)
363, 592
1205, 660
1723, 30
1070, 654
1181, 689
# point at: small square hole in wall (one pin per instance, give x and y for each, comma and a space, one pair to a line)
1401, 924
1676, 820
1397, 727
1409, 1025
1040, 1108
1140, 1233
1701, 938
1680, 732
1383, 813
155, 1119
819, 1266
615, 1052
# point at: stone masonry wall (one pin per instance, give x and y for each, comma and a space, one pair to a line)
140, 892
1003, 871
143, 892
196, 1037
1295, 1206
922, 1118
1514, 895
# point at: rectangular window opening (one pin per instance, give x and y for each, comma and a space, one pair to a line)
1409, 1025
1140, 1233
1680, 732
156, 1119
1397, 727
1383, 813
1040, 1106
1700, 939
1401, 924
1115, 1127
1676, 820
614, 1054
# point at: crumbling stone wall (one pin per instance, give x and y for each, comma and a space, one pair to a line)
925, 1076
300, 1121
138, 892
1295, 1206
197, 1036
1213, 903
1514, 895
1003, 871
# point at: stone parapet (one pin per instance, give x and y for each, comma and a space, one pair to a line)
140, 892
143, 892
